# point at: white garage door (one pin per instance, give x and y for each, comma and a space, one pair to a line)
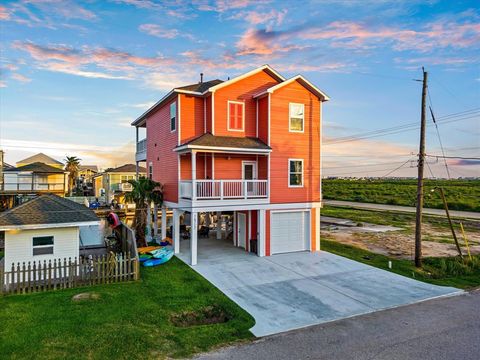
289, 232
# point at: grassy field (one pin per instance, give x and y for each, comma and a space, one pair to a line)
129, 321
460, 194
438, 271
398, 219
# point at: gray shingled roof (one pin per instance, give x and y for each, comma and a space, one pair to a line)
37, 167
47, 209
228, 141
126, 168
200, 87
40, 157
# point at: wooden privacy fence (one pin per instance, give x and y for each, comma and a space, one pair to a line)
67, 273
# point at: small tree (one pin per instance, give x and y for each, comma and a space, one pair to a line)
72, 165
144, 192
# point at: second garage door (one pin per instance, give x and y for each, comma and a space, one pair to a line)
289, 231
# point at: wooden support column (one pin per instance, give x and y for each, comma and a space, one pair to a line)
193, 237
261, 232
194, 174
176, 230
219, 225
155, 220
164, 222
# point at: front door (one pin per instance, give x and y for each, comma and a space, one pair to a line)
242, 230
250, 173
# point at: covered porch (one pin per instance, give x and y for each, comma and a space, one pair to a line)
243, 230
221, 168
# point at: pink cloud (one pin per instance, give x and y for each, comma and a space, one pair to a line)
88, 61
20, 77
4, 13
263, 42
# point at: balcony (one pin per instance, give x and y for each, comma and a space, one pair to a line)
223, 189
33, 187
141, 153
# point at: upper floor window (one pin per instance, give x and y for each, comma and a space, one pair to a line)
173, 116
236, 110
295, 172
42, 245
297, 115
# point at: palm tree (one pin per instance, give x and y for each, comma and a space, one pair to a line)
72, 165
144, 192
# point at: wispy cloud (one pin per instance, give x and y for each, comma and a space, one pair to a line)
89, 62
270, 18
46, 13
20, 77
158, 31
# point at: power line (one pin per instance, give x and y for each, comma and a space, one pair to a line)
397, 168
463, 115
454, 157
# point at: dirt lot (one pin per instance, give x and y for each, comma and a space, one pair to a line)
437, 241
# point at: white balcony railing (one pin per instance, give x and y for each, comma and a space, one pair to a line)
223, 189
24, 186
141, 154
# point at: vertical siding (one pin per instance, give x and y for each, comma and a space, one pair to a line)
19, 244
287, 145
241, 90
160, 145
192, 115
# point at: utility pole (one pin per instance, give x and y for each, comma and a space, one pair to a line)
421, 163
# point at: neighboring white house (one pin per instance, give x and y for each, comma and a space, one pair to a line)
44, 228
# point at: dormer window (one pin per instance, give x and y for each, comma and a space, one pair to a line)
236, 115
296, 117
173, 116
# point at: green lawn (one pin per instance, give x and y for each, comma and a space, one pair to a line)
438, 271
129, 321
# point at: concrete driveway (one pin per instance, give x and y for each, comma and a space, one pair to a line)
291, 291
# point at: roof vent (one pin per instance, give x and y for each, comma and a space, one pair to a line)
201, 78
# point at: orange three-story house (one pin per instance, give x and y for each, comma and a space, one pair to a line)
249, 146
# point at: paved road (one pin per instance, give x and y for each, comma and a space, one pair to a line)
359, 205
446, 328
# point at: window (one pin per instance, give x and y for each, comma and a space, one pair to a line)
43, 245
150, 171
295, 173
173, 116
235, 115
296, 117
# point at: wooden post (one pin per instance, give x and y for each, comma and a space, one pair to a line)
442, 194
421, 163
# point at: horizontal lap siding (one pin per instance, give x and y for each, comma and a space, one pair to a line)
160, 144
229, 166
287, 145
186, 167
192, 115
263, 119
242, 90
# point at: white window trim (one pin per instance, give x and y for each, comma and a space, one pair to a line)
43, 246
170, 116
243, 115
290, 118
303, 172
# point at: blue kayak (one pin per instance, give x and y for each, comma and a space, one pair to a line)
160, 256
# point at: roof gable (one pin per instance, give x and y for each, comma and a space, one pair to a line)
127, 168
46, 210
40, 157
302, 81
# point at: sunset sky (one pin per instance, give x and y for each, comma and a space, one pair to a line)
75, 74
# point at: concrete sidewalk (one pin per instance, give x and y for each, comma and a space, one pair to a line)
291, 291
370, 206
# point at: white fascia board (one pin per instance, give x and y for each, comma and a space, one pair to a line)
48, 226
222, 149
312, 87
247, 74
